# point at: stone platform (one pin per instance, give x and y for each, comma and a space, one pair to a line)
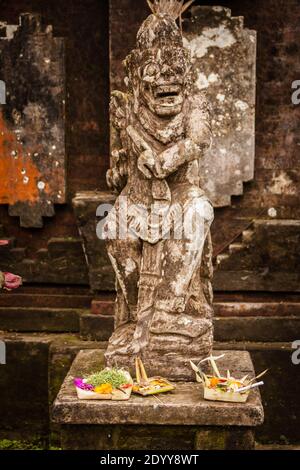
178, 420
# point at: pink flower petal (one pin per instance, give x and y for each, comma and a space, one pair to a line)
11, 281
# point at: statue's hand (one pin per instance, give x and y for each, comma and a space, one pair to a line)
115, 180
116, 176
146, 163
147, 157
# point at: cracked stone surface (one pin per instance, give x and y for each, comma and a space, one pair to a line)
224, 62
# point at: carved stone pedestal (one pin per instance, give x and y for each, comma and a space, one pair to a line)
178, 420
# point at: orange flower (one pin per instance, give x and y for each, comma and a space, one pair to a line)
104, 388
213, 382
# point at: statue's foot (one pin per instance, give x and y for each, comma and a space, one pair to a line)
179, 324
126, 341
120, 341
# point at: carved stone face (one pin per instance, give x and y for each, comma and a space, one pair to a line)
163, 77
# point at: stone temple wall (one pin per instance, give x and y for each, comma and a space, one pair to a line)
46, 326
271, 195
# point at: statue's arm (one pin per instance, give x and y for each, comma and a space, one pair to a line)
171, 159
198, 140
116, 176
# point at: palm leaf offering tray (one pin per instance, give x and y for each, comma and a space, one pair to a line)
108, 384
218, 388
149, 386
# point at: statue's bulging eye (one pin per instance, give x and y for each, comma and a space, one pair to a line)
150, 70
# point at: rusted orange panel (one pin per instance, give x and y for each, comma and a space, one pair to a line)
18, 175
32, 122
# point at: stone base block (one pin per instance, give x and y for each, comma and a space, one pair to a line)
178, 420
151, 437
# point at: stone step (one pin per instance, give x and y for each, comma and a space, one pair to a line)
281, 447
262, 280
2, 232
62, 262
42, 254
223, 308
234, 328
247, 236
18, 253
100, 327
59, 246
81, 297
265, 263
256, 309
221, 258
256, 297
96, 327
102, 307
40, 319
235, 247
22, 299
265, 329
25, 310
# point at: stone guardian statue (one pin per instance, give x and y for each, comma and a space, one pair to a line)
158, 233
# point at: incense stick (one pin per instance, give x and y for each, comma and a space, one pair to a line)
249, 387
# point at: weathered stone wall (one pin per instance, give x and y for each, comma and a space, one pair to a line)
85, 27
273, 194
32, 121
276, 185
277, 119
224, 61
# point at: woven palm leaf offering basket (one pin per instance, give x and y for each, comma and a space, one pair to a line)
218, 388
149, 386
108, 384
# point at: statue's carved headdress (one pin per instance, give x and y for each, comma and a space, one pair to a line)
173, 8
161, 27
159, 55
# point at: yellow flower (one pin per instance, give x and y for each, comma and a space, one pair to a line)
104, 388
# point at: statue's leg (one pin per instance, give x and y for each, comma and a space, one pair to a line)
150, 274
182, 260
125, 256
